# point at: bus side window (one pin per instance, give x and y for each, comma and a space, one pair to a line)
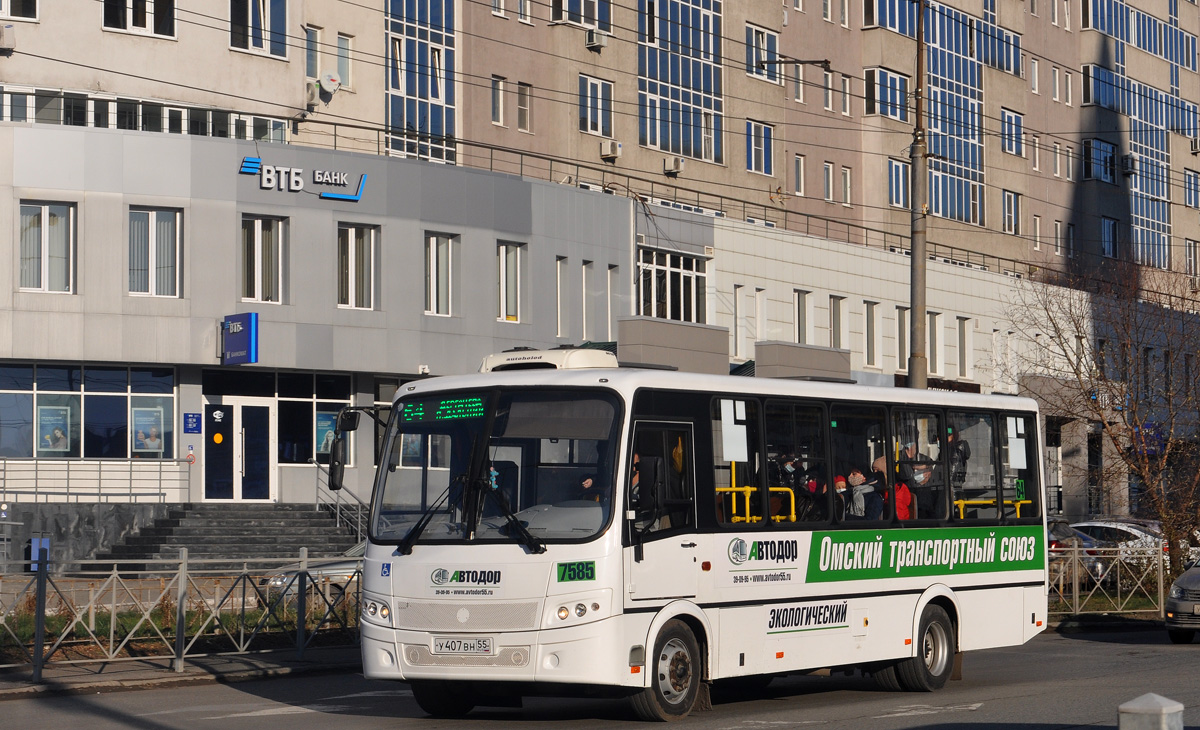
737, 462
664, 481
1018, 461
859, 448
798, 481
970, 459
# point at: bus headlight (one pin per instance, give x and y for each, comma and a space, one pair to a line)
580, 609
563, 613
377, 611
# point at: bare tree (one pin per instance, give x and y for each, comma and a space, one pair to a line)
1117, 352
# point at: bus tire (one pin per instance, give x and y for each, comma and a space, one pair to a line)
675, 675
443, 699
886, 678
1181, 636
934, 662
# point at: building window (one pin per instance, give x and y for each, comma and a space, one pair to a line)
827, 10
1058, 241
827, 179
154, 252
262, 258
1191, 263
356, 266
259, 25
846, 95
671, 286
1012, 212
899, 174
1035, 152
844, 12
846, 186
1054, 83
1099, 160
902, 338
1070, 240
886, 93
141, 16
1191, 188
18, 8
758, 147
798, 82
1033, 75
523, 10
762, 60
837, 322
1067, 86
498, 7
560, 295
827, 89
933, 336
508, 263
498, 100
1037, 233
871, 334
798, 174
48, 247
1012, 133
966, 359
524, 99
1108, 237
312, 52
344, 47
437, 274
800, 316
1070, 160
595, 106
1057, 160
588, 13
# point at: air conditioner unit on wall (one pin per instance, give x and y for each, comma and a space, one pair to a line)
595, 40
673, 165
610, 149
312, 93
1129, 164
8, 38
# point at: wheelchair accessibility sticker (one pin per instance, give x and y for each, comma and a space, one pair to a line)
385, 570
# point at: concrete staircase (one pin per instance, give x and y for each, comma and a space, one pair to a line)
229, 535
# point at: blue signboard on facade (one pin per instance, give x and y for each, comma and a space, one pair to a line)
191, 423
239, 339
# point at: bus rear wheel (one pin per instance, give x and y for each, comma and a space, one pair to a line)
675, 675
934, 662
443, 699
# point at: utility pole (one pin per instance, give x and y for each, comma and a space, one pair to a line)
918, 363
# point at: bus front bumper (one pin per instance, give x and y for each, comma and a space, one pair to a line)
591, 653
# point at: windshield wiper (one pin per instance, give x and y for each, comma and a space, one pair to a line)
534, 544
406, 543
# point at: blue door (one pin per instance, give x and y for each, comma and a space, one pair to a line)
239, 454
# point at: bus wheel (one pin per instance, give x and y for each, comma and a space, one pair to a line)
1181, 636
934, 662
675, 675
443, 699
886, 678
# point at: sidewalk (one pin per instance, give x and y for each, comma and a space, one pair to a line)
158, 673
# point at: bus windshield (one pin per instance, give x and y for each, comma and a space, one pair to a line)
498, 465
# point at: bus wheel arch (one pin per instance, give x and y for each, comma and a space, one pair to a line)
690, 614
935, 647
677, 669
939, 595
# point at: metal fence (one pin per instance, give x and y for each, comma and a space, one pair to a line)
1129, 581
101, 480
173, 610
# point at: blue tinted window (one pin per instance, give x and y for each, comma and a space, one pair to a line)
105, 380
16, 377
58, 378
105, 428
16, 425
152, 380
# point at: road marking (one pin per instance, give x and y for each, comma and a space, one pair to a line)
282, 710
912, 710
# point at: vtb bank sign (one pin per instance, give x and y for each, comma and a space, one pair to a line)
291, 179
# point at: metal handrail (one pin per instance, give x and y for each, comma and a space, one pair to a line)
353, 511
95, 480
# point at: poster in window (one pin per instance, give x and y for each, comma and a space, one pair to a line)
147, 430
54, 429
326, 427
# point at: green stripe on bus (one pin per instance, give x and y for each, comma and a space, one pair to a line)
873, 554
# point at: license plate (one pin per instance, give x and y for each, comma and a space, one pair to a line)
453, 645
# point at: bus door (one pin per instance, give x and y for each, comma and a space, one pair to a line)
662, 558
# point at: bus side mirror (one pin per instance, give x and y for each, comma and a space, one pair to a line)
347, 420
337, 461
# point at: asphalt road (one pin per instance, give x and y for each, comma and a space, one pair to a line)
1053, 682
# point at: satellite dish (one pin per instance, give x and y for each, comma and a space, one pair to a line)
330, 82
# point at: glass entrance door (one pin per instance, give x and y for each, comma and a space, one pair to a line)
239, 449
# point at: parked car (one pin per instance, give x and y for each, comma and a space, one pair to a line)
1061, 542
1182, 611
340, 574
1134, 539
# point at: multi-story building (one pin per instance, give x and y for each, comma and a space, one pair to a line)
699, 181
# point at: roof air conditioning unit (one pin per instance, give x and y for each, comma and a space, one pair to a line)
673, 165
312, 93
595, 40
610, 149
1195, 145
8, 39
1129, 164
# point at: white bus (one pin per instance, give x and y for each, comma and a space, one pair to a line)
646, 533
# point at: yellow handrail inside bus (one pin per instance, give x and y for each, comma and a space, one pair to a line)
963, 503
746, 491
